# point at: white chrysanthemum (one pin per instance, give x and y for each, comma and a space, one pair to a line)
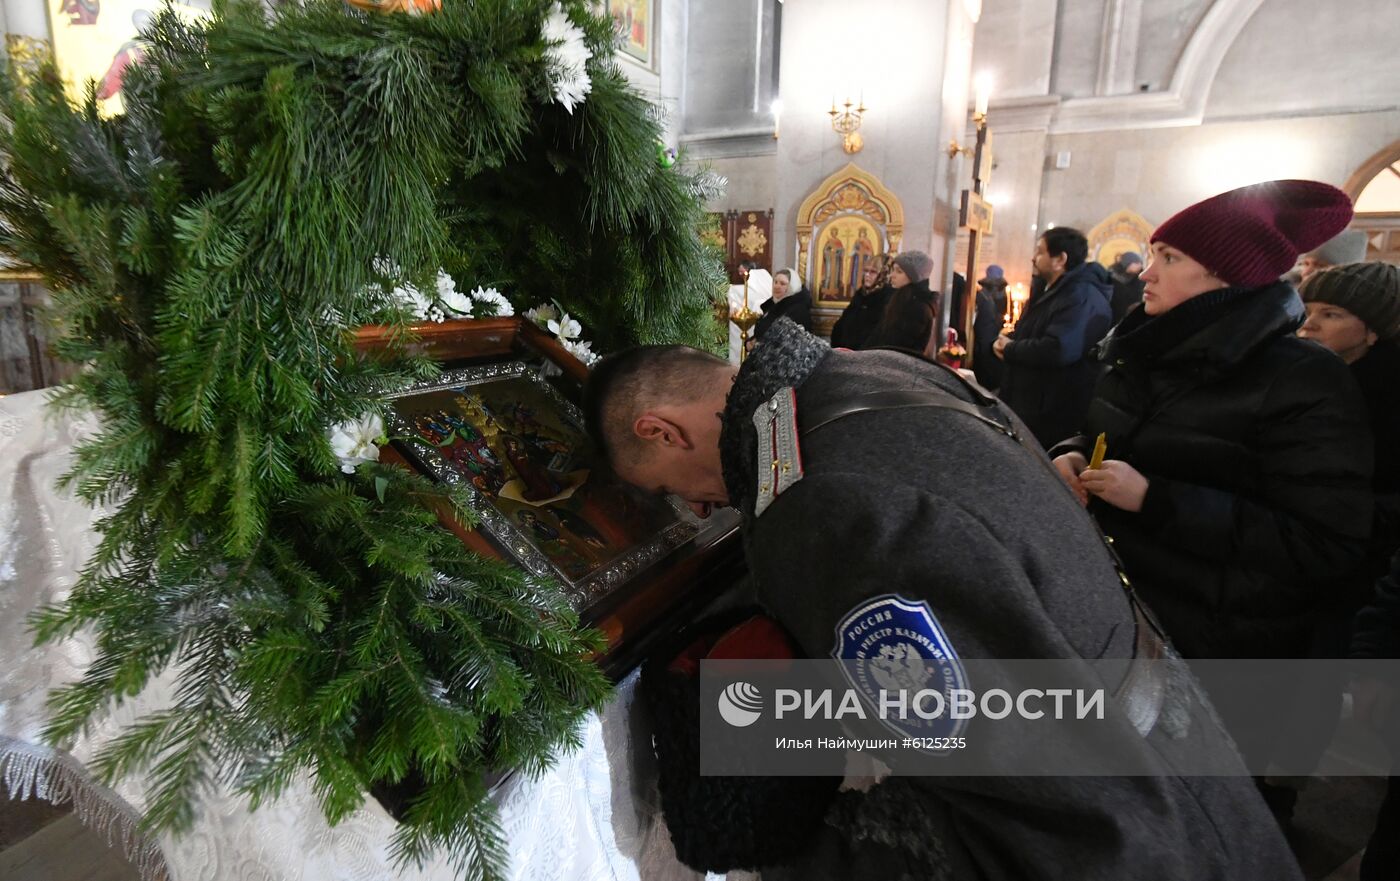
385, 267
449, 296
355, 441
581, 349
565, 328
567, 58
498, 305
445, 284
542, 314
422, 308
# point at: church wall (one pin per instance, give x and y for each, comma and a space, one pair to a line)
1302, 91
1078, 32
728, 65
914, 80
752, 184
1157, 172
1015, 46
1299, 56
663, 82
1165, 28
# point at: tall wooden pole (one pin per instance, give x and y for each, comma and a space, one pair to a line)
968, 305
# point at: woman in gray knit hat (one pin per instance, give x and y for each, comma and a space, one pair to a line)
912, 315
1354, 310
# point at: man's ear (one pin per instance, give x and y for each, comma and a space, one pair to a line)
657, 429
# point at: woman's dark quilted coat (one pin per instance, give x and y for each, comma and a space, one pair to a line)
1258, 454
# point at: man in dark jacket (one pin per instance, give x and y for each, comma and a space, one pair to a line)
977, 534
1127, 283
1050, 369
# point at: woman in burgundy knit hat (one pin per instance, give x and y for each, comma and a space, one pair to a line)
1236, 484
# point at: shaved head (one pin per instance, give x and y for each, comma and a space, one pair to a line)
624, 386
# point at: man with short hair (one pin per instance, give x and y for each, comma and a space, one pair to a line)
1050, 369
876, 482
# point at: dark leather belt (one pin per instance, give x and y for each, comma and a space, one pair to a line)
1143, 690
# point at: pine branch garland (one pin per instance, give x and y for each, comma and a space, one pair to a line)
208, 251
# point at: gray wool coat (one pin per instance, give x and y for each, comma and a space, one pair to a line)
935, 506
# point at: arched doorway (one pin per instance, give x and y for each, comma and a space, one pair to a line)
1375, 190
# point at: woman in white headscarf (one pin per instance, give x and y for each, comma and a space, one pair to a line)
789, 301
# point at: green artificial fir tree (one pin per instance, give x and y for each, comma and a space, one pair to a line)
277, 179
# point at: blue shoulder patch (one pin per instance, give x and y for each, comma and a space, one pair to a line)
891, 644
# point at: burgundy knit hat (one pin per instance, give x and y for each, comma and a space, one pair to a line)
1251, 236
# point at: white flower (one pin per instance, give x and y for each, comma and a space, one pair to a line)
458, 302
445, 285
493, 297
565, 328
580, 349
542, 314
354, 441
411, 297
566, 56
422, 308
384, 266
449, 296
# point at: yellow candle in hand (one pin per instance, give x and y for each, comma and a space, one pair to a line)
1100, 447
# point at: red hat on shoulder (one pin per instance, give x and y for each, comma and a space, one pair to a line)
1250, 236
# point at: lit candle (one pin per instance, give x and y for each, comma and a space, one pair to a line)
746, 292
984, 94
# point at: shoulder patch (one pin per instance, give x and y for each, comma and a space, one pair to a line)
779, 456
891, 644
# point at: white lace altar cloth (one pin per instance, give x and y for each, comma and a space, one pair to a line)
595, 815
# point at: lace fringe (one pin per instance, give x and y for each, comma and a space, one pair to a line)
39, 772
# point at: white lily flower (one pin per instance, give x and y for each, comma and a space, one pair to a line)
565, 328
354, 441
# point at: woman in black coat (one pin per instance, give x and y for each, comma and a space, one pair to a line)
1236, 484
911, 316
866, 308
789, 301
